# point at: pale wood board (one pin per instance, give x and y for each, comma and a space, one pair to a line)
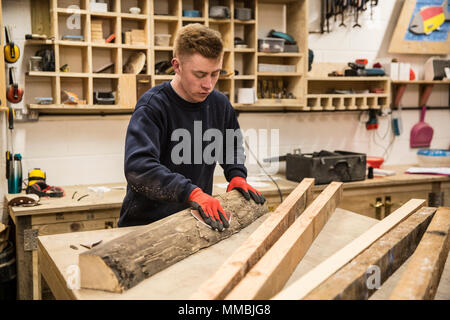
245, 257
273, 270
387, 254
307, 283
421, 277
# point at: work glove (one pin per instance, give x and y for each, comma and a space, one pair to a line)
209, 208
241, 185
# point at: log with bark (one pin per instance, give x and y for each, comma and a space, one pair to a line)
122, 263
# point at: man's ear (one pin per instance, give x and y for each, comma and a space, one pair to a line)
176, 65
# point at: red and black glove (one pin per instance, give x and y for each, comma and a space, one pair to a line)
209, 208
241, 185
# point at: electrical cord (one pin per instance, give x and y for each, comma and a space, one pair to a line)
268, 175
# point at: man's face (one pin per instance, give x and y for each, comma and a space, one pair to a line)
197, 76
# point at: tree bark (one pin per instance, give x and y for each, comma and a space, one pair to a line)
122, 263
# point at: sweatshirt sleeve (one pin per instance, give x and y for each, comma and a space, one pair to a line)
143, 170
234, 155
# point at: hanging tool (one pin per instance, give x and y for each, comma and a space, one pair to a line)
344, 5
372, 123
14, 94
11, 50
373, 3
356, 7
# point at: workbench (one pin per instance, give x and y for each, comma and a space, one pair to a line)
374, 198
77, 212
58, 261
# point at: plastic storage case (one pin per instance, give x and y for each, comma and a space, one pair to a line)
268, 67
270, 45
326, 167
104, 98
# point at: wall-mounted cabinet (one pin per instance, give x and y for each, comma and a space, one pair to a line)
93, 47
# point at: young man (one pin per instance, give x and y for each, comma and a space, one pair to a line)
169, 165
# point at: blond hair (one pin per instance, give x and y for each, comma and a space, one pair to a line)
197, 38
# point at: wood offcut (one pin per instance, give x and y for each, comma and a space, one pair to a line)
248, 254
421, 277
302, 287
355, 280
124, 262
272, 272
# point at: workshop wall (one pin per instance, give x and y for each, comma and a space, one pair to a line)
88, 150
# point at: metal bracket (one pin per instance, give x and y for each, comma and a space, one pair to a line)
30, 239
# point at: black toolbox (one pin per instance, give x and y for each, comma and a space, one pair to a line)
325, 166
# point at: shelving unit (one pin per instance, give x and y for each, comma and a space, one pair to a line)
161, 17
320, 96
425, 89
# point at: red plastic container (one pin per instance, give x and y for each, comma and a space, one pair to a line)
375, 162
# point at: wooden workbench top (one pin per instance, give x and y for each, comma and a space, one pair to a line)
180, 280
70, 202
114, 198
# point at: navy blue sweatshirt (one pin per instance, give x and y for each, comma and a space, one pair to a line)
162, 133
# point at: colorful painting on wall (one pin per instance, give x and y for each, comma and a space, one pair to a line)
430, 21
423, 27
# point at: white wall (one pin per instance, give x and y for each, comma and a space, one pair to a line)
87, 150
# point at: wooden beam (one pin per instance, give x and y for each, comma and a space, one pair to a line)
303, 286
124, 262
248, 254
360, 278
421, 277
271, 272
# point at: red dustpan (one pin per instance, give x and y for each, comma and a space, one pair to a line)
421, 133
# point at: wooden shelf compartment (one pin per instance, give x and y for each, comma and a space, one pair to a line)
136, 32
67, 24
244, 63
77, 59
331, 102
167, 8
144, 5
102, 57
248, 33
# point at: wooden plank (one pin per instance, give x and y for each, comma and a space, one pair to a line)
124, 262
76, 226
421, 277
272, 271
381, 259
74, 216
247, 255
127, 90
55, 280
40, 17
23, 261
303, 286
